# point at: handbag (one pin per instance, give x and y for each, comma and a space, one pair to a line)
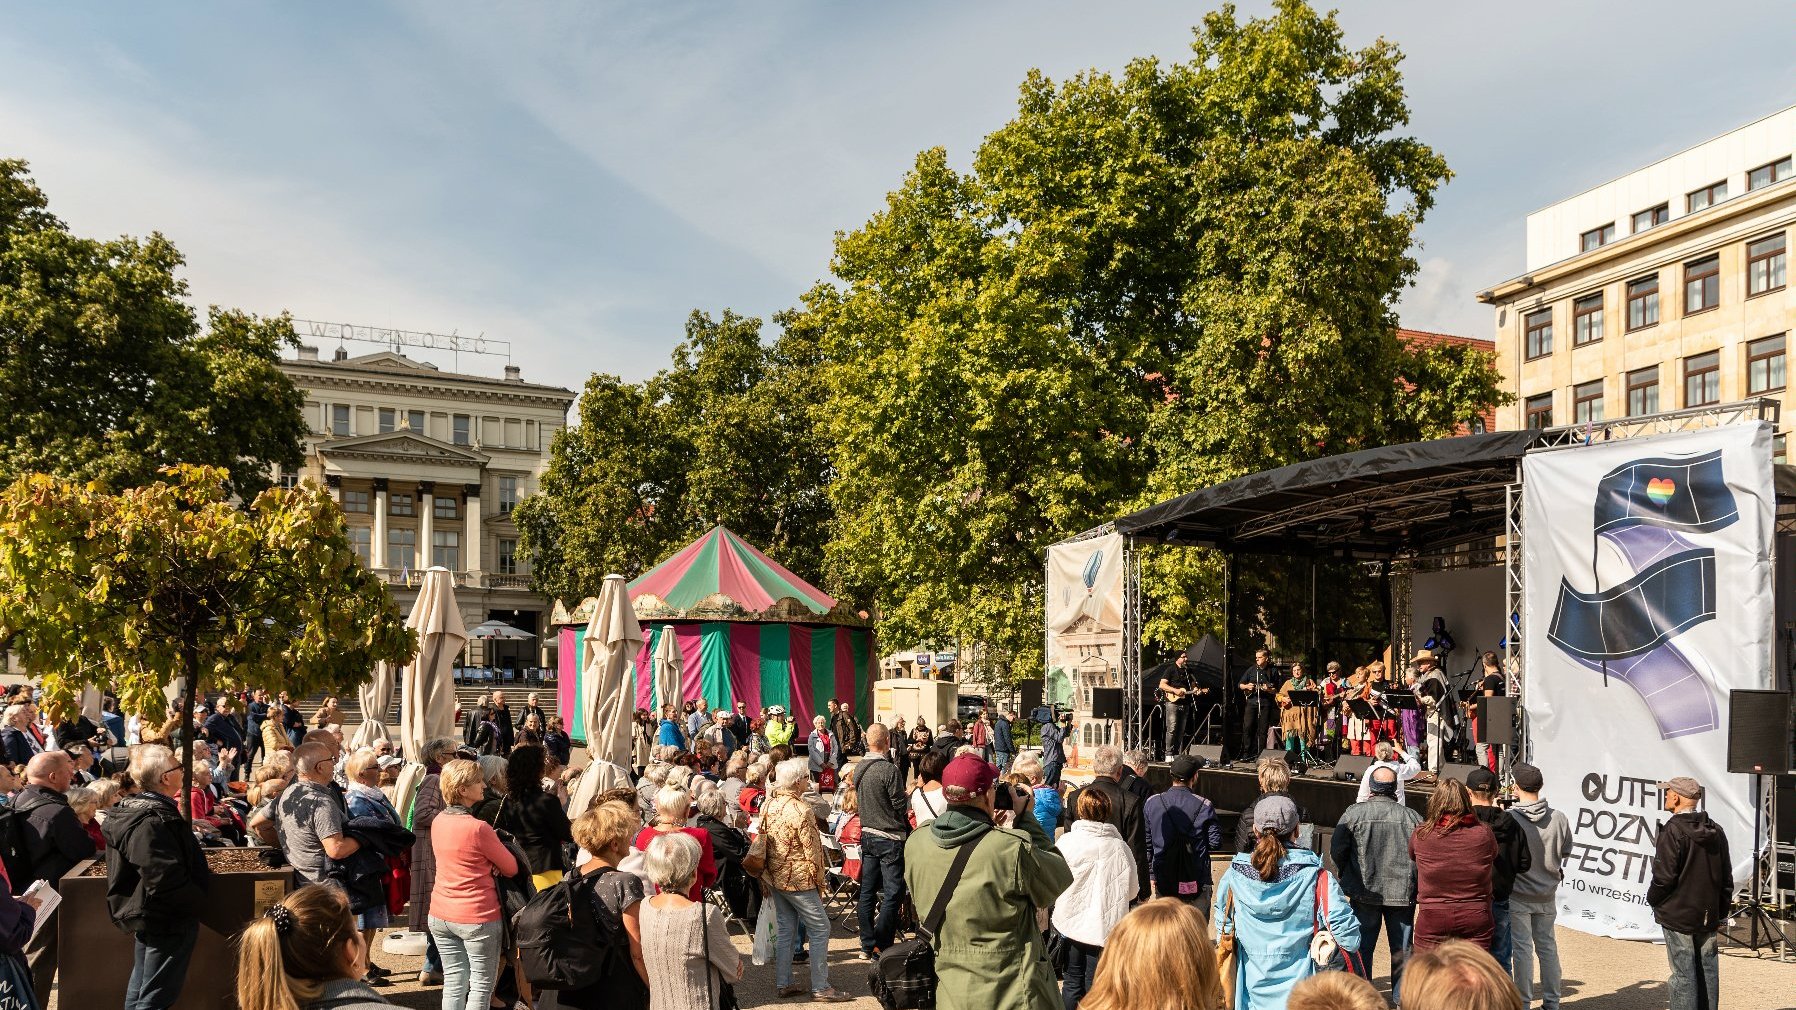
726, 993
755, 862
1323, 945
1228, 956
904, 977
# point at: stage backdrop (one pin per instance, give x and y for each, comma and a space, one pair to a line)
1084, 628
1648, 591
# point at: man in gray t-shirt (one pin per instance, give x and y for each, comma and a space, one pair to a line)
310, 816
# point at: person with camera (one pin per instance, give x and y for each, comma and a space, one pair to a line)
989, 953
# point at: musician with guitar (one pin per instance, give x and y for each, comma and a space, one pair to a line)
1258, 685
1178, 695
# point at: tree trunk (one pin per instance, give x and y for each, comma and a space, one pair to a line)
190, 664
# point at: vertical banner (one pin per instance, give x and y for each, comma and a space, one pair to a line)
1647, 579
1085, 626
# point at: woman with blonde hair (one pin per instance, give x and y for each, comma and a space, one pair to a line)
304, 952
1335, 990
1458, 976
796, 876
466, 919
604, 833
1173, 938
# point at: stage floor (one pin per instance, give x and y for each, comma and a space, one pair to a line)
1322, 798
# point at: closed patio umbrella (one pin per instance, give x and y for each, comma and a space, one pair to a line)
427, 687
607, 673
376, 695
667, 670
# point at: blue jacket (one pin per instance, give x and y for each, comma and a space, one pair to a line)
1274, 923
1182, 831
1003, 741
1053, 751
1047, 808
670, 735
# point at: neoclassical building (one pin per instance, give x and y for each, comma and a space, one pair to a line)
427, 466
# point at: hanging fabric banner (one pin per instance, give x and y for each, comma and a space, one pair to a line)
1647, 581
1085, 629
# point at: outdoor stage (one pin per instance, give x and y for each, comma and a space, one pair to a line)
1322, 798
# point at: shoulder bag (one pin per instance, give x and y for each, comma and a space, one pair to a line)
755, 863
1228, 956
904, 978
1325, 950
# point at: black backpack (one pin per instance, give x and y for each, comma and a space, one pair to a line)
15, 850
904, 977
561, 943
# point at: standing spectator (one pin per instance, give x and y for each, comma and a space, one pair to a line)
669, 733
427, 805
1004, 740
534, 817
465, 915
1053, 748
778, 729
1047, 803
949, 741
556, 741
673, 808
846, 731
644, 739
697, 716
533, 706
1692, 882
1132, 776
1512, 856
795, 875
1534, 897
989, 953
502, 722
926, 801
823, 751
1269, 897
1104, 882
54, 842
739, 723
292, 722
16, 739
879, 790
718, 734
367, 801
310, 816
684, 942
1390, 754
1182, 832
257, 710
156, 879
979, 734
1275, 780
916, 744
304, 953
1172, 937
604, 833
472, 718
1460, 976
222, 729
1371, 853
1455, 854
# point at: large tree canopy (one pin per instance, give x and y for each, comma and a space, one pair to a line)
105, 371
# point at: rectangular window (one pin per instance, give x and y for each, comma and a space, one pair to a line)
1780, 449
1702, 285
508, 495
1765, 365
389, 420
1587, 402
1538, 327
359, 539
1587, 320
414, 420
1702, 379
340, 419
355, 501
1652, 217
1643, 391
463, 430
1765, 265
508, 557
402, 548
1596, 237
1708, 196
445, 549
1538, 411
289, 479
445, 506
1643, 303
1765, 175
399, 504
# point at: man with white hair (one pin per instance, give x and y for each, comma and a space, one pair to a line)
151, 851
1126, 810
310, 816
1389, 754
54, 842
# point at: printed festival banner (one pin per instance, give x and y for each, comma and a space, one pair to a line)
1084, 622
1647, 581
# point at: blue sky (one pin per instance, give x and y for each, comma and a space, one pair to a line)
576, 177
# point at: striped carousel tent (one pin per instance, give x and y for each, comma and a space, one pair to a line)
744, 628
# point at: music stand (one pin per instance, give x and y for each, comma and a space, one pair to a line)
1307, 699
1404, 700
1362, 710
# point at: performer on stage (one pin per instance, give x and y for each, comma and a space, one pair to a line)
1362, 733
1441, 710
1411, 719
1179, 693
1258, 685
1333, 690
1492, 685
1386, 726
1297, 721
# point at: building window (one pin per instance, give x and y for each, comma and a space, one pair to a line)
445, 549
1596, 237
1587, 320
1538, 411
1643, 391
1702, 285
445, 506
399, 504
463, 426
1702, 379
359, 539
1708, 196
1780, 450
508, 557
1765, 365
340, 419
1476, 424
508, 495
1765, 175
402, 548
389, 420
1587, 402
289, 479
355, 501
1538, 327
1643, 302
414, 420
1652, 217
1765, 265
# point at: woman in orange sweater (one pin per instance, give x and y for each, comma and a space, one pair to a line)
466, 920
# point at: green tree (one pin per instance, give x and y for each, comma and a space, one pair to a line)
173, 583
106, 372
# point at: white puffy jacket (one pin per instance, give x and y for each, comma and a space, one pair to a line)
1104, 882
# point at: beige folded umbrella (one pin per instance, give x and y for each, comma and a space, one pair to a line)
376, 696
608, 673
667, 671
427, 687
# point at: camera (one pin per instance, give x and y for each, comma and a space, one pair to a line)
1005, 799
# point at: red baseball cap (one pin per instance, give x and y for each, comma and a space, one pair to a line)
973, 774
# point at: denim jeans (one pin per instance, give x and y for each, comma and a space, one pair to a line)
1004, 760
471, 961
1081, 970
1050, 773
158, 967
1695, 972
792, 907
1399, 922
433, 962
1531, 932
882, 888
1501, 942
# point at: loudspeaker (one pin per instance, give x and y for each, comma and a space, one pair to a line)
1496, 721
1457, 772
1031, 695
1273, 753
1758, 732
1352, 767
1211, 757
1106, 703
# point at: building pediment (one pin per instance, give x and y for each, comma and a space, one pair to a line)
402, 447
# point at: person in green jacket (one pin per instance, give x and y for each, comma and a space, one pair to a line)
989, 955
779, 728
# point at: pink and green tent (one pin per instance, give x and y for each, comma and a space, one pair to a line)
747, 629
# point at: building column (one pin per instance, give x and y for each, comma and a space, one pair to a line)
377, 540
471, 528
427, 513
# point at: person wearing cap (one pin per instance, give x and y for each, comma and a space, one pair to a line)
1533, 900
1693, 880
1512, 857
1371, 852
989, 954
1442, 716
1269, 896
1182, 831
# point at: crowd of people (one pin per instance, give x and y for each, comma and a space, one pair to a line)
1043, 893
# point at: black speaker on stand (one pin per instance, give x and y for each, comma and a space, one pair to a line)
1106, 703
1030, 695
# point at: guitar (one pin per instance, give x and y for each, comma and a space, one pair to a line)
1178, 694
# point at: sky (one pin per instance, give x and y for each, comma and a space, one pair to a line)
577, 177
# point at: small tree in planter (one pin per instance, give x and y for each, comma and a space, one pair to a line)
172, 588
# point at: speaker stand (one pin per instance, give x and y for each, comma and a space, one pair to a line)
1749, 923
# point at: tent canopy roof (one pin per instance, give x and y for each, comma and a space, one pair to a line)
720, 576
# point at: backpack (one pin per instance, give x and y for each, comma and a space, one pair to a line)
15, 849
904, 977
562, 944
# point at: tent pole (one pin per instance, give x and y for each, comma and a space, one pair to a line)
1228, 620
1315, 659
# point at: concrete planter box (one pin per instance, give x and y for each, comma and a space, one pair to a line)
96, 955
